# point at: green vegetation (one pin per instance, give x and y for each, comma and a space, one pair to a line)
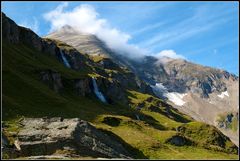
207, 136
233, 124
97, 58
155, 106
25, 95
152, 142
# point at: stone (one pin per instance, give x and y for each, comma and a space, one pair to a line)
44, 136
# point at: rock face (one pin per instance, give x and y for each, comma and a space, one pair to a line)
53, 79
15, 34
83, 86
90, 44
205, 92
10, 30
179, 75
113, 91
43, 136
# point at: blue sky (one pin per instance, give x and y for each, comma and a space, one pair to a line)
202, 32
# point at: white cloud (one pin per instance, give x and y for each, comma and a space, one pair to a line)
167, 55
86, 19
33, 25
170, 54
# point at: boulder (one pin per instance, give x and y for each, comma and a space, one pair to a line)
44, 136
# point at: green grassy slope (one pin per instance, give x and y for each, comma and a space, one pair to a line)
25, 95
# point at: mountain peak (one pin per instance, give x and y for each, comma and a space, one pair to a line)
84, 42
66, 29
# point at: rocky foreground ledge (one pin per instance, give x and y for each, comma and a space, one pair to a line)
69, 137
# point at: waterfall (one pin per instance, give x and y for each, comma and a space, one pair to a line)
137, 117
97, 92
65, 60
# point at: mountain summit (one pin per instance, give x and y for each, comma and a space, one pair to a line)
83, 42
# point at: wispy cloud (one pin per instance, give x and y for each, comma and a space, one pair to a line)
34, 25
200, 22
148, 27
220, 44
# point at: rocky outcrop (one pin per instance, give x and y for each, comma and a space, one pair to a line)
52, 79
27, 36
15, 34
181, 76
83, 86
113, 91
77, 60
8, 150
107, 63
10, 30
43, 136
50, 47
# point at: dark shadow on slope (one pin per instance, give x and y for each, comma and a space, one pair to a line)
112, 121
134, 152
131, 113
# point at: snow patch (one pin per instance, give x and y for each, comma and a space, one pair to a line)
223, 94
174, 97
161, 87
158, 89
